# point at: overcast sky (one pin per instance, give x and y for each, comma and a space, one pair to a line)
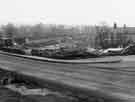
89, 12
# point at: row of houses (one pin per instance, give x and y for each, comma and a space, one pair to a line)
94, 37
114, 36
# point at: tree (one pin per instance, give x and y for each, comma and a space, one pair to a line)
9, 30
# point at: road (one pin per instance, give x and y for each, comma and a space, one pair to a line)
113, 79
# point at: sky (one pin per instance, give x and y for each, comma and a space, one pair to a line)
69, 12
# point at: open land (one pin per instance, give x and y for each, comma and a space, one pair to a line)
107, 82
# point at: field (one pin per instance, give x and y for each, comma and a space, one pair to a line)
113, 82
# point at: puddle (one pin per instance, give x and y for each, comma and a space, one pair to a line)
25, 91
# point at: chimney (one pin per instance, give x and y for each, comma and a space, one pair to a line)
115, 26
124, 26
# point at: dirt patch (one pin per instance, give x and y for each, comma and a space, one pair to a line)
7, 95
17, 88
14, 89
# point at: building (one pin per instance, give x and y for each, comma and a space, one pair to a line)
115, 36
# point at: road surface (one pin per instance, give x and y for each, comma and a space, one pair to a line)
116, 80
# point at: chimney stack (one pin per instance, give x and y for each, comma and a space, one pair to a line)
115, 25
124, 26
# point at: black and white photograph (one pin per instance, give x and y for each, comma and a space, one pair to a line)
67, 51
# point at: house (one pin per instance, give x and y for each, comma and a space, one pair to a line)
114, 36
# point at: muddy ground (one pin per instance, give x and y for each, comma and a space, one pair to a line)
7, 95
12, 90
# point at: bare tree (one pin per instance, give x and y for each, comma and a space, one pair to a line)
9, 30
